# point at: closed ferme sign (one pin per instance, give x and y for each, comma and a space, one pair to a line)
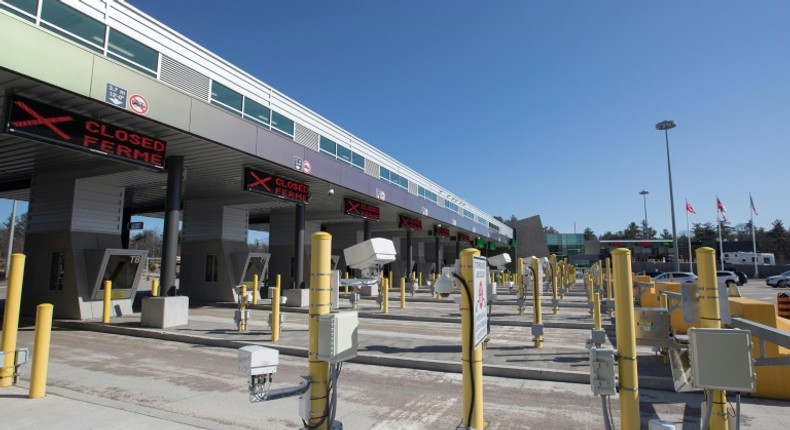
359, 209
277, 186
45, 123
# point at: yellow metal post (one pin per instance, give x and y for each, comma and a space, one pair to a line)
710, 317
520, 281
243, 308
320, 268
626, 339
588, 282
610, 283
554, 280
155, 287
471, 357
38, 376
420, 284
255, 289
346, 277
276, 310
536, 305
105, 319
403, 293
435, 277
385, 304
597, 310
13, 300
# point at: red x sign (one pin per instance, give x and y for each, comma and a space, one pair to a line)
259, 181
38, 119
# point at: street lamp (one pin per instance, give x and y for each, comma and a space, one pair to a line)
645, 231
666, 126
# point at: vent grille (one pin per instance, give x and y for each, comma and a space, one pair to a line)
372, 168
184, 78
306, 137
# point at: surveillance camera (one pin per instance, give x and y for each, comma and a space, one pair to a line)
331, 191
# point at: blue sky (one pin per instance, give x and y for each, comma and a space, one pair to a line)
536, 107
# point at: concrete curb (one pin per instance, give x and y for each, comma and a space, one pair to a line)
647, 382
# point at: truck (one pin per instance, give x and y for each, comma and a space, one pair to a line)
740, 257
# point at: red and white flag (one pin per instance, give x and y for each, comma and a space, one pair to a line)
751, 202
720, 207
690, 209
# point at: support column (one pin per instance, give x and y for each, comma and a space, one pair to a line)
299, 248
458, 244
437, 252
366, 230
409, 258
125, 220
175, 170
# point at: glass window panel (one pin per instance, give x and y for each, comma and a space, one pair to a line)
27, 6
132, 51
421, 191
82, 28
384, 173
328, 146
282, 124
225, 96
343, 154
394, 178
357, 160
256, 111
403, 182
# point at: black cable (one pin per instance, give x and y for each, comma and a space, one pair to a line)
471, 349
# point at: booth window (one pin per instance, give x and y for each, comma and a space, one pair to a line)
132, 53
256, 112
24, 8
282, 125
225, 98
72, 24
211, 268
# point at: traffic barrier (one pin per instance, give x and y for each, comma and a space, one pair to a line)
783, 305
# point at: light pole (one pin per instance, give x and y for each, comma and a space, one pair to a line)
645, 231
666, 126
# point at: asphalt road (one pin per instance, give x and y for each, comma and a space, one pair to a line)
107, 381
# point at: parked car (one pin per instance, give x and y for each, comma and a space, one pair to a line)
742, 278
727, 278
779, 281
682, 277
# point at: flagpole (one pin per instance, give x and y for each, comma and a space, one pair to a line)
721, 245
688, 234
754, 241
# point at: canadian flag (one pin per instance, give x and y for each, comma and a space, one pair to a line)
690, 209
720, 207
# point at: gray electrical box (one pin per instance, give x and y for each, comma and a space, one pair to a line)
602, 371
652, 326
337, 336
721, 359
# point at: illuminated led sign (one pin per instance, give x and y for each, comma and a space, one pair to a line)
38, 121
464, 238
276, 186
409, 223
360, 210
441, 231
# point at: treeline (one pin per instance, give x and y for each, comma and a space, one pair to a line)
775, 239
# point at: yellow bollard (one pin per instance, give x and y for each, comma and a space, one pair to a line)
626, 339
391, 280
471, 357
610, 283
597, 310
588, 282
320, 268
435, 276
155, 288
710, 317
346, 277
105, 319
520, 281
276, 310
403, 293
385, 304
13, 300
536, 305
554, 280
255, 288
243, 307
38, 375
